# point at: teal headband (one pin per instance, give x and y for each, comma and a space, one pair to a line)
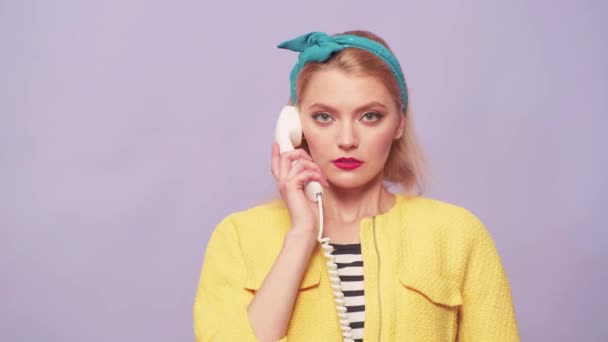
319, 47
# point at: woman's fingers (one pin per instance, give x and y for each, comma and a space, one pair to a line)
275, 160
287, 158
302, 178
307, 165
292, 171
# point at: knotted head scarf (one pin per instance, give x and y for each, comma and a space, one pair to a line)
319, 47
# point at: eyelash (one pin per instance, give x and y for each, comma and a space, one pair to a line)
317, 115
377, 115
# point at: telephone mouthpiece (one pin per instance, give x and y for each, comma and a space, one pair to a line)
312, 189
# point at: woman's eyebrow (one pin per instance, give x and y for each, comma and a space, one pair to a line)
323, 106
372, 104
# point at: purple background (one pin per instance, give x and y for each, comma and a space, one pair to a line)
128, 129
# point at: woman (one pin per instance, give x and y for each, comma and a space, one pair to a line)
412, 268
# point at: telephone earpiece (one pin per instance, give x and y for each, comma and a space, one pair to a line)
288, 134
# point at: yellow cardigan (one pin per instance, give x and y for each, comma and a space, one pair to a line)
431, 273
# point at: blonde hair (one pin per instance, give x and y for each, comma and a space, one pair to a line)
405, 166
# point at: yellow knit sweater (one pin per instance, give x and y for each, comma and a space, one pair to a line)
431, 273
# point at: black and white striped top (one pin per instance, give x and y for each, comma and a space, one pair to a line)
350, 269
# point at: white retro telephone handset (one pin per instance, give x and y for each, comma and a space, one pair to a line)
288, 134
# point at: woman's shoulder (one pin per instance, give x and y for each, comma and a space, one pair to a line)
264, 218
432, 215
433, 207
271, 211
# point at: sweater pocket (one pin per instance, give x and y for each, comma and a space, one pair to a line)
304, 322
429, 305
437, 289
254, 280
255, 275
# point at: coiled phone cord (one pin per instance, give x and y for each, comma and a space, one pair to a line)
334, 278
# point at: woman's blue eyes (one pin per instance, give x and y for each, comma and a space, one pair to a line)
323, 116
372, 115
369, 117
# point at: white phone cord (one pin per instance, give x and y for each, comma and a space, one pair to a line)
347, 333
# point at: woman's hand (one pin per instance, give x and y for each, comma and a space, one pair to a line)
291, 180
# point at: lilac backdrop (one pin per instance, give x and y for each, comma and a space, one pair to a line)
128, 129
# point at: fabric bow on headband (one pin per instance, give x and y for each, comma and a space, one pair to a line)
319, 47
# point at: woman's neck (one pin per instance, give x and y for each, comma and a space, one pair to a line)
348, 206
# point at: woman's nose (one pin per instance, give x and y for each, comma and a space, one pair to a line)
348, 139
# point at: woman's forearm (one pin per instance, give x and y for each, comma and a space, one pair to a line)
270, 309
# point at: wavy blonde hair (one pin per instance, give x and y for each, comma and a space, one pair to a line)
406, 165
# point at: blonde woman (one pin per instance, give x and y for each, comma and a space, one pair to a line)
411, 268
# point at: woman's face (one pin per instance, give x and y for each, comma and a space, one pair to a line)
349, 116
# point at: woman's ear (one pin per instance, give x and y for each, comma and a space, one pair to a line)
400, 128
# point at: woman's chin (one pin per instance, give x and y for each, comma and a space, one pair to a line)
348, 182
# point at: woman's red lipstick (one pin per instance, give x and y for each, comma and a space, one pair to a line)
347, 163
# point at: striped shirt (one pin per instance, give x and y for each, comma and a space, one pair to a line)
350, 269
